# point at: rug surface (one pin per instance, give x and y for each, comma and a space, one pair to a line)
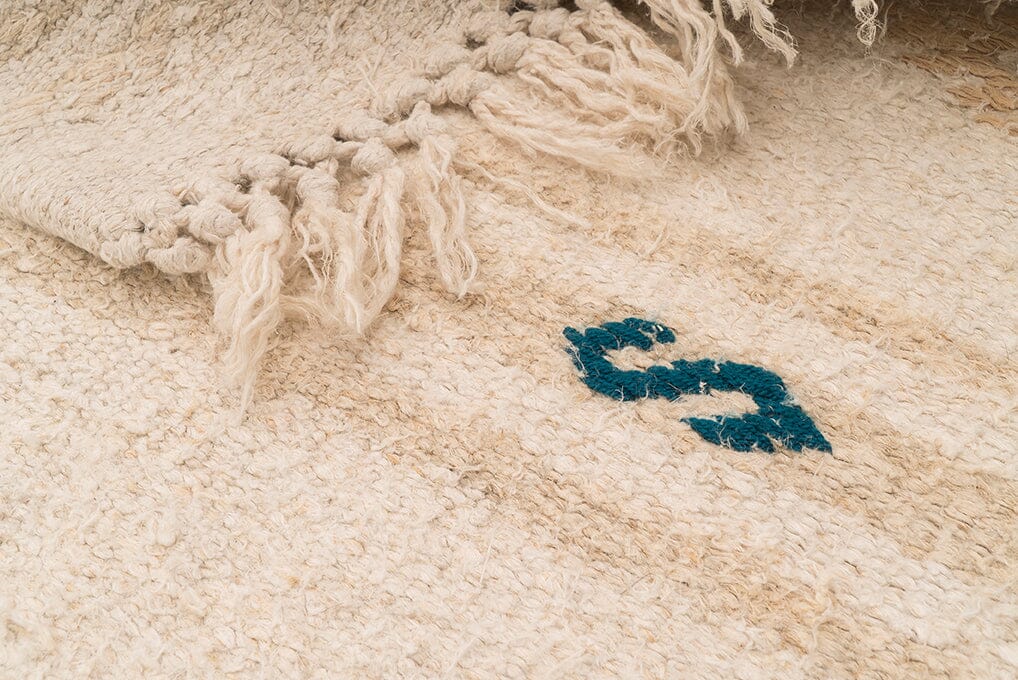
280, 149
544, 478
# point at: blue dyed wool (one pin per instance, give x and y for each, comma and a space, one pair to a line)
777, 419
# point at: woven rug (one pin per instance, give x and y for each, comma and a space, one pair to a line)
745, 413
267, 145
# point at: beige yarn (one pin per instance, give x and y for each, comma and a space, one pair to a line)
443, 497
272, 147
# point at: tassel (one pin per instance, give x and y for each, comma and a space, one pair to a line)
380, 217
247, 289
331, 248
608, 85
441, 201
300, 253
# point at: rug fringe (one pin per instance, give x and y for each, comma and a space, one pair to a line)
298, 248
595, 86
587, 86
444, 208
590, 86
247, 288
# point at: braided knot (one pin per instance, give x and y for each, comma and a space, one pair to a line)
400, 100
550, 24
372, 158
460, 87
423, 124
502, 53
183, 256
358, 126
444, 59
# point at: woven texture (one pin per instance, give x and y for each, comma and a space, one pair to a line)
446, 496
285, 150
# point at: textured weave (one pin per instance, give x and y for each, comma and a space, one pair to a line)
446, 497
284, 150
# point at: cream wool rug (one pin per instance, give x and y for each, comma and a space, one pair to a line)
266, 144
449, 496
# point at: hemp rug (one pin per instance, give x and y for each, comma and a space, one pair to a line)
509, 380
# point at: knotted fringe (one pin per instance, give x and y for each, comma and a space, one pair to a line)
290, 242
586, 85
248, 305
445, 211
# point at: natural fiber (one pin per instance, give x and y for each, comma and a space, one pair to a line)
450, 495
280, 149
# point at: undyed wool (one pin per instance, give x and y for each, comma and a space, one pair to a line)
450, 495
266, 145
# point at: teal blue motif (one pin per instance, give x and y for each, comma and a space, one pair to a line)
777, 419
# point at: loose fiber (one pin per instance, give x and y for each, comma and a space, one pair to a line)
314, 228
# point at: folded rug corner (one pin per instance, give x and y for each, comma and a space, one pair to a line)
279, 149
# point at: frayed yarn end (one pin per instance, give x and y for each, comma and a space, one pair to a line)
282, 239
299, 250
